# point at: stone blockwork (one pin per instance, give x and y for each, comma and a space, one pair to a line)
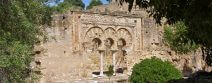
82, 43
77, 39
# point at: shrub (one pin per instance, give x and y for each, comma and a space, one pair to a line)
154, 70
14, 62
110, 71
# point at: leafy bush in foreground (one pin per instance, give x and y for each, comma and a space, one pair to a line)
154, 70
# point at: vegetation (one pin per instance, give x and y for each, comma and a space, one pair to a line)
196, 15
68, 5
110, 71
154, 70
94, 3
19, 24
109, 0
175, 37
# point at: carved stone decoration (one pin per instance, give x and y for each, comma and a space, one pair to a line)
125, 35
101, 20
110, 36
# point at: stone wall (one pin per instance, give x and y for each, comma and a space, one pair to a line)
69, 52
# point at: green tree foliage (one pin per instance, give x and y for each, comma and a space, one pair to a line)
196, 14
175, 37
109, 1
68, 5
154, 70
19, 24
94, 3
14, 61
19, 18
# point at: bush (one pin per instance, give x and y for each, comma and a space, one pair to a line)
154, 70
110, 71
14, 62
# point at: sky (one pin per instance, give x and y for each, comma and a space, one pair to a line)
86, 2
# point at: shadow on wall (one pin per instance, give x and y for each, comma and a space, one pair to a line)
198, 77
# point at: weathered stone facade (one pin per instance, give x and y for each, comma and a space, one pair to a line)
87, 35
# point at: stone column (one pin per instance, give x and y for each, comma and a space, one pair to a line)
114, 63
101, 64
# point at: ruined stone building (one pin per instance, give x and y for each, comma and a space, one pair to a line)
82, 44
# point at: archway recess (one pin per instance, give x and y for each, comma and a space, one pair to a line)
121, 43
96, 43
124, 37
109, 42
93, 38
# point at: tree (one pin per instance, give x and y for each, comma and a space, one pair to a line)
109, 1
175, 37
94, 3
19, 28
196, 14
68, 5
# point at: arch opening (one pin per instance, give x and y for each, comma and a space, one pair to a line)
121, 43
109, 42
96, 42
